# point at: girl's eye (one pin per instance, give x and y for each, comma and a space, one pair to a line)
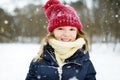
60, 28
72, 29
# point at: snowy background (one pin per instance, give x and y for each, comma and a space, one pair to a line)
16, 57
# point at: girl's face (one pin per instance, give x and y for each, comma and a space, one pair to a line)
66, 34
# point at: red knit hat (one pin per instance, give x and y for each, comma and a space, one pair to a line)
59, 15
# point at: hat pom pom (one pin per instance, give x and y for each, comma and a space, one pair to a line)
50, 3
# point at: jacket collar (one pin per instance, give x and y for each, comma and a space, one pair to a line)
78, 58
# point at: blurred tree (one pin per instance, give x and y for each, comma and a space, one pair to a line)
109, 16
102, 21
6, 27
32, 21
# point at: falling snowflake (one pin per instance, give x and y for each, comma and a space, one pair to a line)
2, 30
37, 9
119, 21
76, 71
6, 21
31, 19
44, 76
116, 16
73, 78
68, 66
117, 4
38, 77
106, 21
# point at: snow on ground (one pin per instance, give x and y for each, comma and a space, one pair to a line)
15, 59
106, 61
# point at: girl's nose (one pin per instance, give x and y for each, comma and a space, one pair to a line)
66, 33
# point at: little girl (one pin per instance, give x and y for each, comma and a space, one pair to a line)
64, 53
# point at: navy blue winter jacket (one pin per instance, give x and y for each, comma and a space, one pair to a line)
77, 67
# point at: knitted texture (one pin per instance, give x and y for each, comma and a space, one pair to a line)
60, 15
64, 50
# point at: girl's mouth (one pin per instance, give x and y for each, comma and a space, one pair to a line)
65, 40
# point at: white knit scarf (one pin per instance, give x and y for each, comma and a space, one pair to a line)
64, 50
